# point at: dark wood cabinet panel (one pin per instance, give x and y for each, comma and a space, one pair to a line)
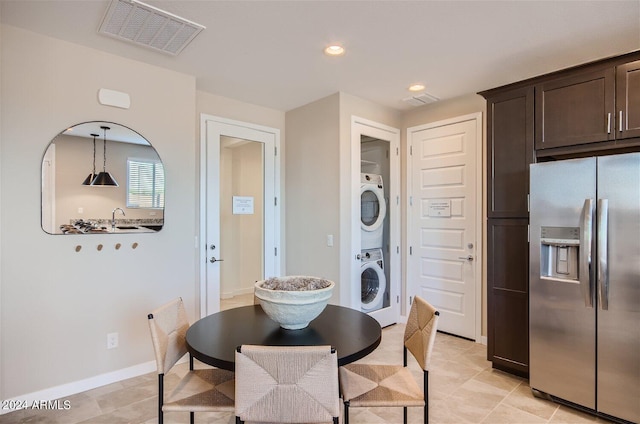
576, 109
508, 263
508, 295
628, 100
510, 151
510, 350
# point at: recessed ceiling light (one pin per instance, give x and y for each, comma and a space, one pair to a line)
416, 87
334, 50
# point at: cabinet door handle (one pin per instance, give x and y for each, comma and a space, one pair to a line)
620, 122
609, 123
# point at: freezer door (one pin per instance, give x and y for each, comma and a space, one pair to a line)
619, 286
562, 314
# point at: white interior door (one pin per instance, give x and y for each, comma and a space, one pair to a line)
444, 227
364, 132
213, 131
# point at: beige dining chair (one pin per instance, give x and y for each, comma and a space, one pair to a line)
365, 385
287, 384
201, 390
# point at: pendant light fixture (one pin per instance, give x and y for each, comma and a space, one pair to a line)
90, 178
104, 178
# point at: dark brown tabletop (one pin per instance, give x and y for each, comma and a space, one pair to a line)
213, 339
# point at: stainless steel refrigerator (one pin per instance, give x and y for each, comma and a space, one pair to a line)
585, 283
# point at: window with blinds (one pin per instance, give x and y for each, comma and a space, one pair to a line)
145, 183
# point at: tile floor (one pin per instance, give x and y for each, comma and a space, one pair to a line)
463, 389
236, 301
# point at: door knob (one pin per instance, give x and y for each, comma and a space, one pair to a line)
468, 258
213, 260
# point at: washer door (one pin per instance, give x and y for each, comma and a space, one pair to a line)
372, 286
373, 208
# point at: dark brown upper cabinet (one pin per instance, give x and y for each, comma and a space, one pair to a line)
576, 109
510, 151
628, 100
594, 104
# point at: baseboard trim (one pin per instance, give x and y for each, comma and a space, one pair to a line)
239, 292
68, 389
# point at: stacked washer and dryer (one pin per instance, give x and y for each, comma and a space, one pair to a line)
373, 210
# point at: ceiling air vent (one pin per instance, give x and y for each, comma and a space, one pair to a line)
420, 99
144, 25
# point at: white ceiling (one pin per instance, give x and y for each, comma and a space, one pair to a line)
269, 53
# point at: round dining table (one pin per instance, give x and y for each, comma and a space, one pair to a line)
214, 338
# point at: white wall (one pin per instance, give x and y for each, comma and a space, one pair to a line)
1, 207
313, 187
58, 305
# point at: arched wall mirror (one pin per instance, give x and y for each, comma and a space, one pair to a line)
101, 177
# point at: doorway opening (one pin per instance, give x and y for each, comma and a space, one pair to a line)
375, 168
375, 175
241, 220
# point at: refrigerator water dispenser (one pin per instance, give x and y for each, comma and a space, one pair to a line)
559, 252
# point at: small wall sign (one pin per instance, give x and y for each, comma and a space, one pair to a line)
440, 208
243, 205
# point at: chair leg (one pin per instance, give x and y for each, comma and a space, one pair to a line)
160, 397
346, 412
192, 418
426, 396
404, 414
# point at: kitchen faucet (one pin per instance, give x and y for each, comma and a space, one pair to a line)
113, 217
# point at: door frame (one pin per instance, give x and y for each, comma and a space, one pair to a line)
359, 127
210, 299
480, 243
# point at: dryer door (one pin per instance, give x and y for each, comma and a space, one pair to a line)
373, 208
372, 286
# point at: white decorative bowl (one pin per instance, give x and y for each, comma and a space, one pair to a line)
293, 309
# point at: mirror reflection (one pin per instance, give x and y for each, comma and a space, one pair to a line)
101, 177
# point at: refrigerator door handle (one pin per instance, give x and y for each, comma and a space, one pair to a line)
603, 267
586, 243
